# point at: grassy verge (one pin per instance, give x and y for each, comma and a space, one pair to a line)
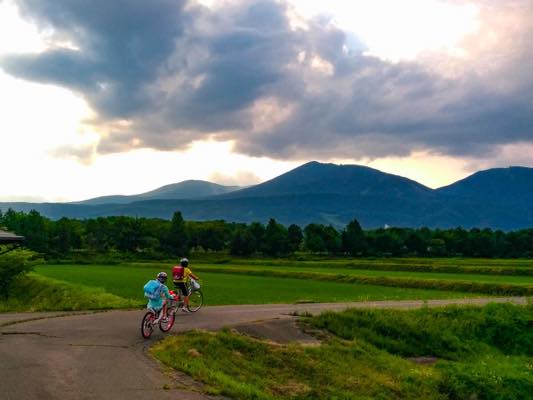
453, 333
127, 281
243, 368
484, 353
38, 293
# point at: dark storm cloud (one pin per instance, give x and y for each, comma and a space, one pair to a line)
122, 45
178, 72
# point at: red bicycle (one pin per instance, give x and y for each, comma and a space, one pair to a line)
154, 318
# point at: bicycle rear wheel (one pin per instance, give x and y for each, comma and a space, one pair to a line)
196, 300
147, 325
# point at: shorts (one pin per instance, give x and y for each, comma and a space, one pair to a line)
182, 287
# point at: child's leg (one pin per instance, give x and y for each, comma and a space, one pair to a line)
184, 293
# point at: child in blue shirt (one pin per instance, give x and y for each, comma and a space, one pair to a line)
156, 290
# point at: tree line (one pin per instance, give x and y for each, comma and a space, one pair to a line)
154, 238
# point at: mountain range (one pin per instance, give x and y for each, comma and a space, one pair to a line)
190, 189
499, 198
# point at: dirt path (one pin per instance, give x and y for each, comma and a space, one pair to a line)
102, 355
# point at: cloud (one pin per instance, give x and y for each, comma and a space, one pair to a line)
165, 73
82, 153
239, 178
119, 48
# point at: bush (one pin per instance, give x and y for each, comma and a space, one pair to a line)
12, 266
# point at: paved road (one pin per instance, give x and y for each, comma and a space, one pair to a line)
102, 355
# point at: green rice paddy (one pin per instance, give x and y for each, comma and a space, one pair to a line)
127, 281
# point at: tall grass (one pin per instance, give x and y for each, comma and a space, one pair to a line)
453, 332
38, 293
486, 352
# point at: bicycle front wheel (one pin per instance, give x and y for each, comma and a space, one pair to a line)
196, 300
147, 325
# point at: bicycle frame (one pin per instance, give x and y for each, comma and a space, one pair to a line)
171, 306
157, 314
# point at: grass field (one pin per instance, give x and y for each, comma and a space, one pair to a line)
256, 281
127, 281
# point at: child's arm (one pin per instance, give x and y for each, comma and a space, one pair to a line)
166, 293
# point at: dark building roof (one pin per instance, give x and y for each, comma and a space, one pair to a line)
8, 237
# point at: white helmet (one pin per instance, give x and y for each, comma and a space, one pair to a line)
162, 277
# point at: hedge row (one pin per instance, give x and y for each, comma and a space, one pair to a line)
445, 268
436, 284
387, 266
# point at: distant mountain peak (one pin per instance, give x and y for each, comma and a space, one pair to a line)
321, 178
188, 189
495, 185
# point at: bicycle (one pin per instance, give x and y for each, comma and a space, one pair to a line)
154, 318
196, 297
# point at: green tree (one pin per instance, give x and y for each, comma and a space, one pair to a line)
98, 234
295, 237
242, 242
313, 238
66, 235
257, 230
386, 242
177, 240
416, 244
437, 247
276, 239
332, 239
212, 235
353, 238
36, 231
13, 221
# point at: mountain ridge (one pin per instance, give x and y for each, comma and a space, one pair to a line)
188, 189
335, 194
511, 184
314, 177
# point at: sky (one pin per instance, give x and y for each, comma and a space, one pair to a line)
121, 97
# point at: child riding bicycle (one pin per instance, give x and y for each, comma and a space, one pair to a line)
156, 291
181, 275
